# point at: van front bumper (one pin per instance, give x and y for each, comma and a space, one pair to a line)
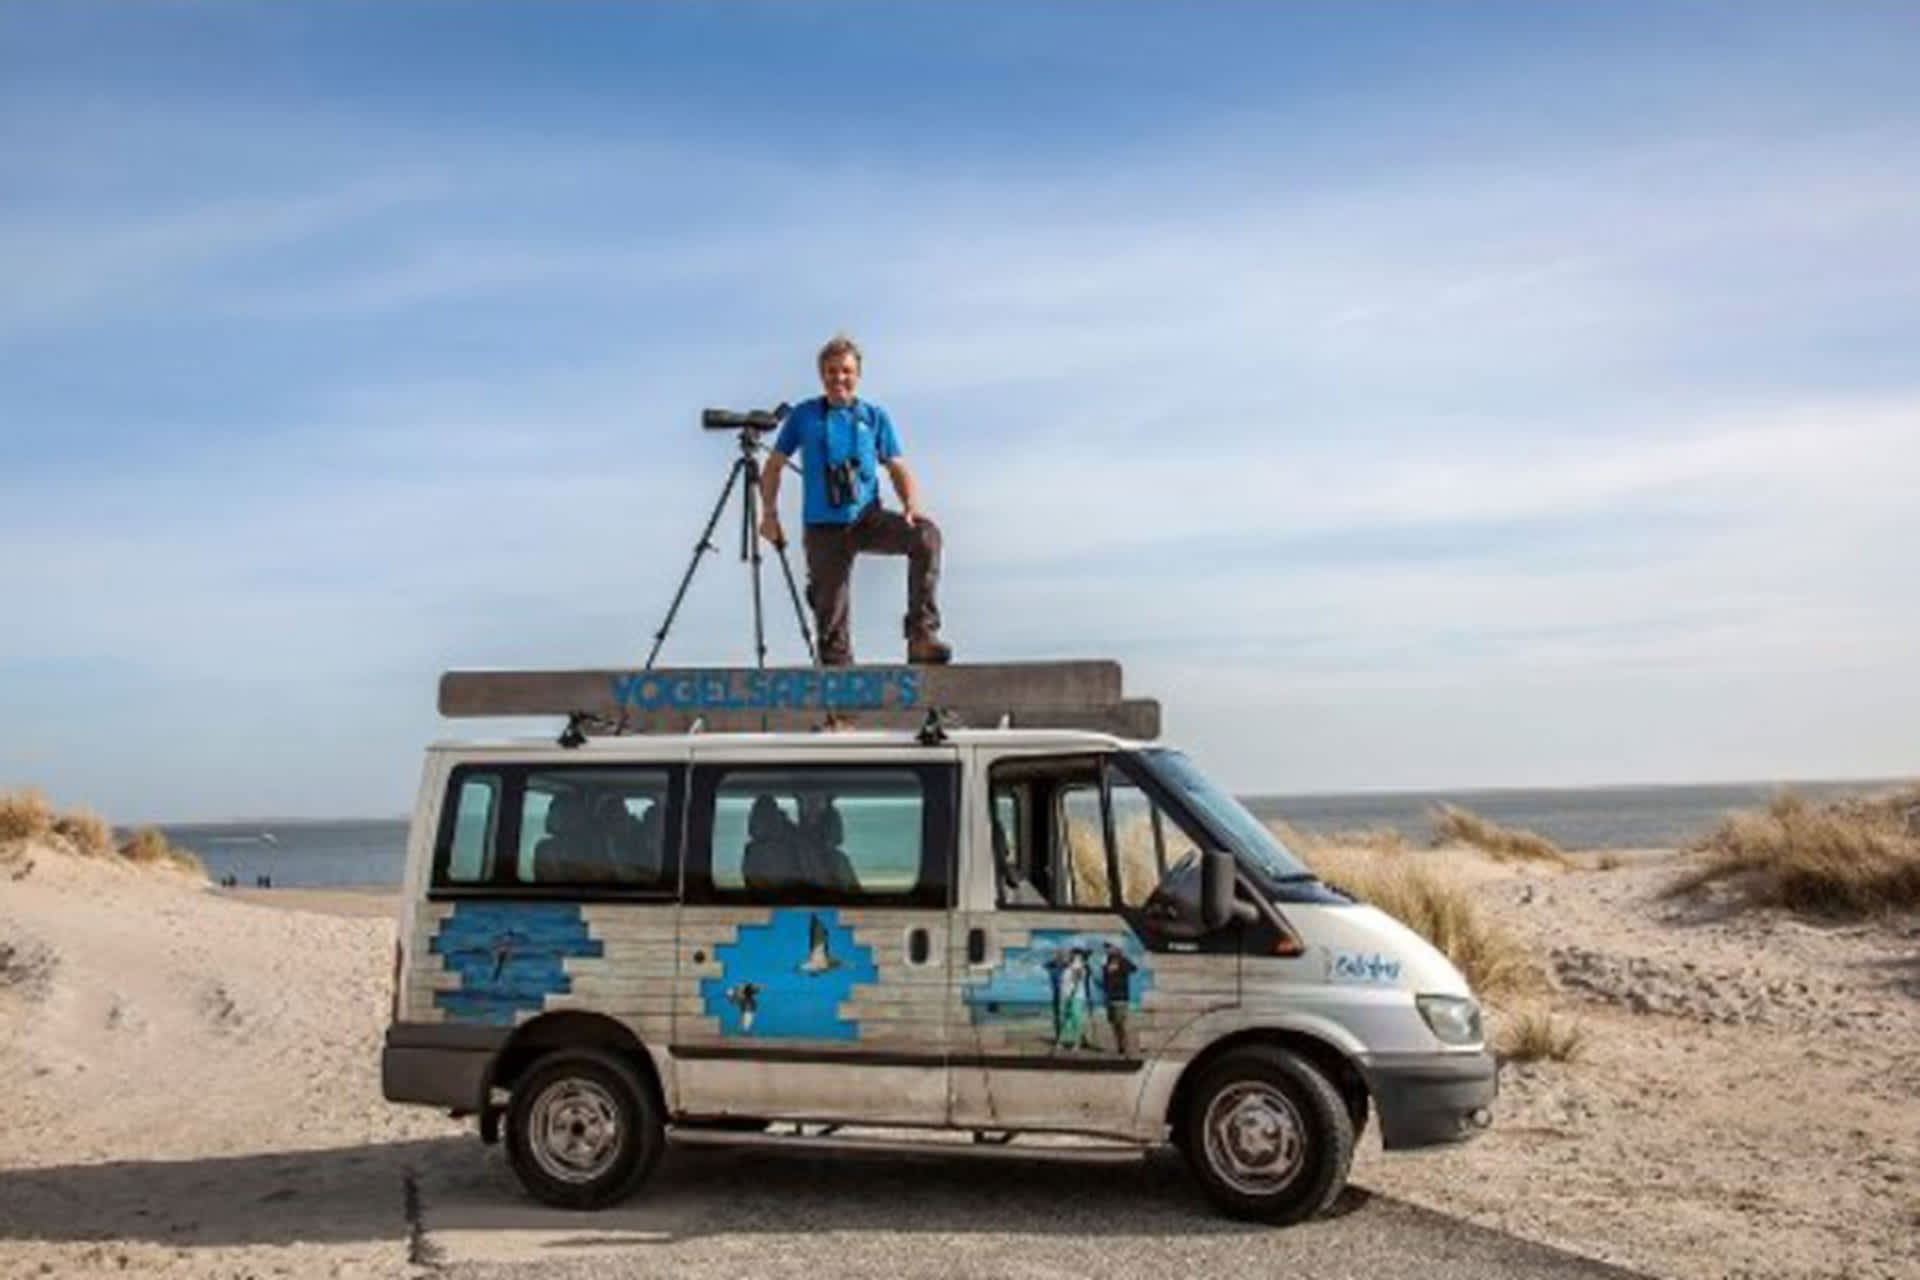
439, 1065
1424, 1099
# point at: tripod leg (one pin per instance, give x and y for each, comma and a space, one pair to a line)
799, 610
750, 550
701, 548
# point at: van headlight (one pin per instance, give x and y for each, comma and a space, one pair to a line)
1455, 1019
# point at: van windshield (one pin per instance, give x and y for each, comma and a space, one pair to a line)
1247, 838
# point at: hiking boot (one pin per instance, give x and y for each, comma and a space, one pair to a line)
929, 650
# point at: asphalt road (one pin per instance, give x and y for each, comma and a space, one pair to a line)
744, 1212
452, 1205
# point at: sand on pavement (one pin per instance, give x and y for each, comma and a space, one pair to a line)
194, 1084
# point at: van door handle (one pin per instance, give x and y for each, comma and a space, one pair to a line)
976, 946
918, 946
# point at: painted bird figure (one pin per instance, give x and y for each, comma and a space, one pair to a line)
819, 959
503, 946
745, 998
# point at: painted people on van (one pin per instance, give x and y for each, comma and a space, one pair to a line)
1072, 998
1116, 984
1033, 986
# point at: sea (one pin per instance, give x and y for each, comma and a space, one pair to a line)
292, 853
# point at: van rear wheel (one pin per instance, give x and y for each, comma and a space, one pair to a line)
582, 1130
1268, 1136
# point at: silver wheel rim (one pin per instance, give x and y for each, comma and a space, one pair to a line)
573, 1130
1255, 1141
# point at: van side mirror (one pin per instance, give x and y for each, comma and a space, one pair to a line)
1218, 907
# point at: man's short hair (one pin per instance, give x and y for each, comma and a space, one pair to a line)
840, 345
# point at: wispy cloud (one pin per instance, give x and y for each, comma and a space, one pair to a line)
60, 266
1554, 424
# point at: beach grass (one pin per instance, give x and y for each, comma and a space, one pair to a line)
1374, 839
1087, 861
25, 814
1849, 858
87, 834
1534, 1034
1454, 825
28, 817
150, 847
1492, 959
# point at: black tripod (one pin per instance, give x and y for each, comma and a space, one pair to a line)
745, 471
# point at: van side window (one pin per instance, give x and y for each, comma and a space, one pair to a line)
1081, 852
1049, 842
549, 829
595, 827
842, 834
1147, 840
1024, 880
1052, 820
476, 817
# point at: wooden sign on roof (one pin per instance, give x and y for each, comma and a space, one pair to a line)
1051, 694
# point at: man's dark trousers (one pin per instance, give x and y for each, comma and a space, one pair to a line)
878, 531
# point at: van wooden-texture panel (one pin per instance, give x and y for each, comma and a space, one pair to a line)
821, 978
503, 962
1026, 1053
1022, 1000
905, 1095
422, 968
634, 979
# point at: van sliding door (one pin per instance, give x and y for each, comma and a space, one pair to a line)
814, 947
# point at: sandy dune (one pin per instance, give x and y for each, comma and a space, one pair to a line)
194, 1085
1748, 1104
175, 1057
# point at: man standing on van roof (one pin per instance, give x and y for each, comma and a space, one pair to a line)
844, 442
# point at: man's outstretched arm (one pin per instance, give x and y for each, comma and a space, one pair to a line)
905, 486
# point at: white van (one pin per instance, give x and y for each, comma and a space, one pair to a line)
803, 936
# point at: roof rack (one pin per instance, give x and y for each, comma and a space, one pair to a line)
1054, 695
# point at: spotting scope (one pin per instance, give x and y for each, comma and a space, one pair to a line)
750, 420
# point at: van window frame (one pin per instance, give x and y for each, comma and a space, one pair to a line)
939, 836
503, 882
451, 796
1103, 763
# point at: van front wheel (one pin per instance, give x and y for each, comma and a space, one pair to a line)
582, 1130
1268, 1136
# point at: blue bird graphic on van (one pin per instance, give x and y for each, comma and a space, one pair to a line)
510, 957
820, 959
786, 979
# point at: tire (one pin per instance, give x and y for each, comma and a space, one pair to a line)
1268, 1136
582, 1130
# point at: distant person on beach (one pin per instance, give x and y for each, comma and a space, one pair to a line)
843, 442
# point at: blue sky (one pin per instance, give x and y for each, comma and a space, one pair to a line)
1410, 395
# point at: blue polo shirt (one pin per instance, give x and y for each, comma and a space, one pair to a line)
823, 435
